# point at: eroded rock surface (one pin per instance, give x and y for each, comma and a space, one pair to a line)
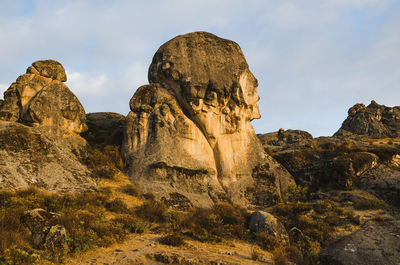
377, 121
189, 130
40, 98
374, 244
32, 156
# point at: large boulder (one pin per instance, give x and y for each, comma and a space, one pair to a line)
39, 222
377, 121
374, 244
105, 128
265, 222
189, 131
39, 98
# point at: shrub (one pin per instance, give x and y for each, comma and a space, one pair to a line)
204, 224
130, 189
368, 204
296, 193
280, 257
100, 164
21, 257
81, 242
174, 239
132, 224
117, 205
266, 241
11, 230
152, 211
108, 232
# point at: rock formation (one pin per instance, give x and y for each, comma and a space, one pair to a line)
40, 98
39, 121
377, 121
189, 130
104, 128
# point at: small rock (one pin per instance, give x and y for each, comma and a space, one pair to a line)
57, 240
357, 220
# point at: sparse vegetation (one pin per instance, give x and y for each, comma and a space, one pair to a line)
174, 239
83, 216
105, 162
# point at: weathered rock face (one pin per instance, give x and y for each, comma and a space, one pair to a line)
189, 130
39, 98
32, 156
377, 121
372, 245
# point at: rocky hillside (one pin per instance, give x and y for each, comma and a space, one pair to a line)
184, 179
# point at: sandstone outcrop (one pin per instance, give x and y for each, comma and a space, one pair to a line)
189, 130
377, 121
40, 98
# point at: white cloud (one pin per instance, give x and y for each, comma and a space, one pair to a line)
83, 84
3, 87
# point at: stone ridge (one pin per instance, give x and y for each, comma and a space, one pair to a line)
377, 121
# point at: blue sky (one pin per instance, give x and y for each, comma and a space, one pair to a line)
313, 58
